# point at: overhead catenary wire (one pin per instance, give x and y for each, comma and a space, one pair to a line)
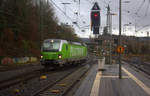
133, 14
140, 10
69, 7
136, 15
78, 26
81, 20
71, 10
140, 7
90, 1
63, 12
105, 2
144, 27
146, 12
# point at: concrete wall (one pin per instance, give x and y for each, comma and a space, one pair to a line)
19, 60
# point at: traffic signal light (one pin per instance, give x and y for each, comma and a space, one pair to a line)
95, 18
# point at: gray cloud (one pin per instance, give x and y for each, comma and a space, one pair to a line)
136, 10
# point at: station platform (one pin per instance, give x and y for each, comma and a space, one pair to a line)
107, 83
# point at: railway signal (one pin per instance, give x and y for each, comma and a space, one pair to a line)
95, 18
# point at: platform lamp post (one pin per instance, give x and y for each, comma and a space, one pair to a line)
119, 38
120, 72
111, 14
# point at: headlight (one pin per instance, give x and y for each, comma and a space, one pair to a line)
59, 56
41, 57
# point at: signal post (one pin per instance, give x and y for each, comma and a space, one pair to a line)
95, 26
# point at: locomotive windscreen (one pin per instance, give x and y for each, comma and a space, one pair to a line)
51, 46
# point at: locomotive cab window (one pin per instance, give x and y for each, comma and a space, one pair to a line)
51, 46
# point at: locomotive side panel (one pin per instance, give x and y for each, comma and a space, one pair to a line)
60, 52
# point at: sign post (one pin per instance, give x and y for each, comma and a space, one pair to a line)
120, 49
120, 15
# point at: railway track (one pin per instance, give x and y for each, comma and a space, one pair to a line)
19, 85
142, 66
30, 84
63, 85
18, 79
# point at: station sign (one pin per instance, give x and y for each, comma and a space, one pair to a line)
120, 49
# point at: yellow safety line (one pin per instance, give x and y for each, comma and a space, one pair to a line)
95, 88
140, 83
115, 76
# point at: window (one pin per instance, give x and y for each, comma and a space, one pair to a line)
51, 46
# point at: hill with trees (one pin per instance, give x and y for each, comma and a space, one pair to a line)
24, 24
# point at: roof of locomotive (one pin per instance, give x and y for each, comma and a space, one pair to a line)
65, 41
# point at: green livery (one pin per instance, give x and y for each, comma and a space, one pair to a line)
57, 52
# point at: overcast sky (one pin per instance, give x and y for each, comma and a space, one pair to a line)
136, 11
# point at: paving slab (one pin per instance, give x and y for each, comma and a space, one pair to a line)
86, 86
107, 83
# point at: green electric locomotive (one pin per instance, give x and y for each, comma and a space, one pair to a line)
57, 52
